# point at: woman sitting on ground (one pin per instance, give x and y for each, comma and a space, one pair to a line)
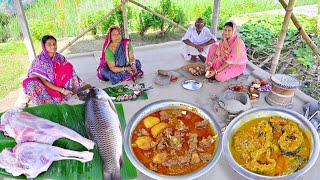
51, 78
117, 62
228, 58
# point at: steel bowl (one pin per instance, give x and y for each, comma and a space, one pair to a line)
166, 104
267, 112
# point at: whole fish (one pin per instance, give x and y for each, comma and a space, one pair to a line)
103, 127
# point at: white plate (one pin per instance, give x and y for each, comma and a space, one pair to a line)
191, 85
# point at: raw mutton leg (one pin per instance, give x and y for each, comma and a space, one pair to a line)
25, 127
32, 158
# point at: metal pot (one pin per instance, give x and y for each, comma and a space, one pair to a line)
166, 104
266, 112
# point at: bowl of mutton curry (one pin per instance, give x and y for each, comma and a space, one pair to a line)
271, 143
171, 139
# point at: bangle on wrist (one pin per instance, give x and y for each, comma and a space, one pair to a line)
215, 71
133, 63
62, 90
124, 70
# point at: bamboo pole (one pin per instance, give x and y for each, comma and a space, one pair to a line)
158, 15
25, 29
125, 18
90, 28
302, 32
215, 15
284, 30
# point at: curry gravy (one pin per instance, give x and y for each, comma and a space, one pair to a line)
185, 142
271, 146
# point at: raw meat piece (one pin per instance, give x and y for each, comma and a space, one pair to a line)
32, 158
25, 127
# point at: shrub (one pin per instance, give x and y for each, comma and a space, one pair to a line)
15, 31
39, 28
166, 8
207, 16
147, 20
260, 32
257, 36
92, 17
4, 31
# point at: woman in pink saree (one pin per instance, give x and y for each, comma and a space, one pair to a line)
227, 59
51, 78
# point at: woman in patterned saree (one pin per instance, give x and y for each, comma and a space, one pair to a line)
51, 78
117, 62
227, 59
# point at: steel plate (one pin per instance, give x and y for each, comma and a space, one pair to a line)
191, 85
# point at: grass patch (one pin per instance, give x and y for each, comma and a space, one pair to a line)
13, 68
14, 63
13, 48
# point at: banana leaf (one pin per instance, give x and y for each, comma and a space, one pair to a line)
73, 118
113, 92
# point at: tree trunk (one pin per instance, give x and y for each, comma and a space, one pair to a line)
215, 15
125, 19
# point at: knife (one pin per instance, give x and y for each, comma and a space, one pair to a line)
82, 88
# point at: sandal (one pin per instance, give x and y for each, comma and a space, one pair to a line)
163, 72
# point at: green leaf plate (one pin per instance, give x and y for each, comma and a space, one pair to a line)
113, 92
73, 118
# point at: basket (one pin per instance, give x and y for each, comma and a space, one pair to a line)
285, 81
282, 90
193, 65
185, 69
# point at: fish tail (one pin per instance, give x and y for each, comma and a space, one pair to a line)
115, 175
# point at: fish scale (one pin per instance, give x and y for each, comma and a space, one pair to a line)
103, 127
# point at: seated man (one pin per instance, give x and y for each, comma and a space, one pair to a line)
197, 41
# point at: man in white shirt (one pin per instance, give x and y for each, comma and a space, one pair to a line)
197, 41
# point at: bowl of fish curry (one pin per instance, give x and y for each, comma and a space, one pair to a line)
173, 140
271, 143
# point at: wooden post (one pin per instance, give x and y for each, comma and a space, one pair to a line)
302, 32
215, 15
91, 27
284, 30
25, 29
158, 15
125, 18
